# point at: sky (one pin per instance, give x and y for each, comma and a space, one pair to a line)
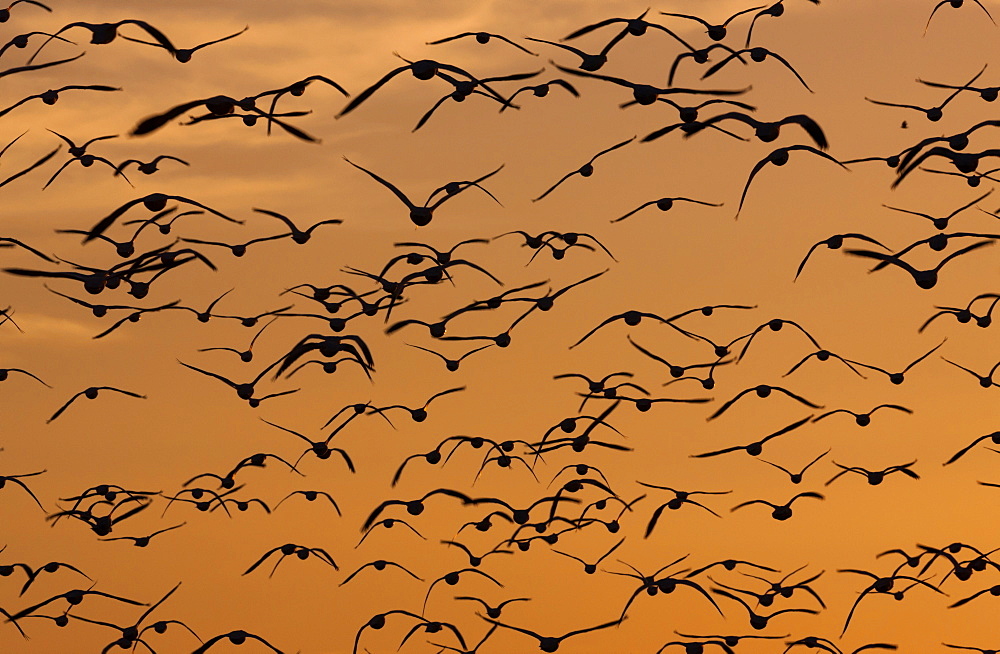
661, 263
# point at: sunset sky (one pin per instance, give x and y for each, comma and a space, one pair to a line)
664, 263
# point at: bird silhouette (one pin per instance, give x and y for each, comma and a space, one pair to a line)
586, 170
552, 643
864, 419
718, 31
796, 477
184, 55
874, 477
780, 511
424, 69
780, 157
91, 393
755, 448
758, 621
957, 4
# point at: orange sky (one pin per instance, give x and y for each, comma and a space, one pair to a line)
665, 263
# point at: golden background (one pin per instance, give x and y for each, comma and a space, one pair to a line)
666, 263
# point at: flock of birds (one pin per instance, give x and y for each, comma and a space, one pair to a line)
563, 464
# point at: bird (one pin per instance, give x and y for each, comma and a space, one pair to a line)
925, 279
218, 106
680, 499
16, 480
184, 55
237, 637
941, 222
823, 355
74, 598
796, 477
246, 356
295, 89
414, 507
965, 315
965, 162
700, 57
729, 565
540, 91
5, 12
631, 318
591, 568
298, 236
143, 541
476, 560
632, 27
586, 170
148, 167
897, 378
780, 511
320, 448
248, 119
5, 374
155, 202
378, 565
687, 128
994, 437
780, 588
768, 131
992, 590
424, 70
882, 585
647, 94
757, 54
571, 239
985, 381
933, 114
104, 33
758, 621
434, 456
135, 316
716, 32
836, 242
763, 390
289, 549
246, 390
51, 96
421, 215
755, 448
552, 643
459, 96
311, 496
938, 242
49, 568
874, 477
482, 38
91, 393
664, 204
987, 93
7, 242
452, 579
957, 4
652, 585
420, 413
774, 11
452, 364
589, 62
780, 157
829, 646
864, 419
676, 371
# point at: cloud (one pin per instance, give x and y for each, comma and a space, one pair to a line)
38, 326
